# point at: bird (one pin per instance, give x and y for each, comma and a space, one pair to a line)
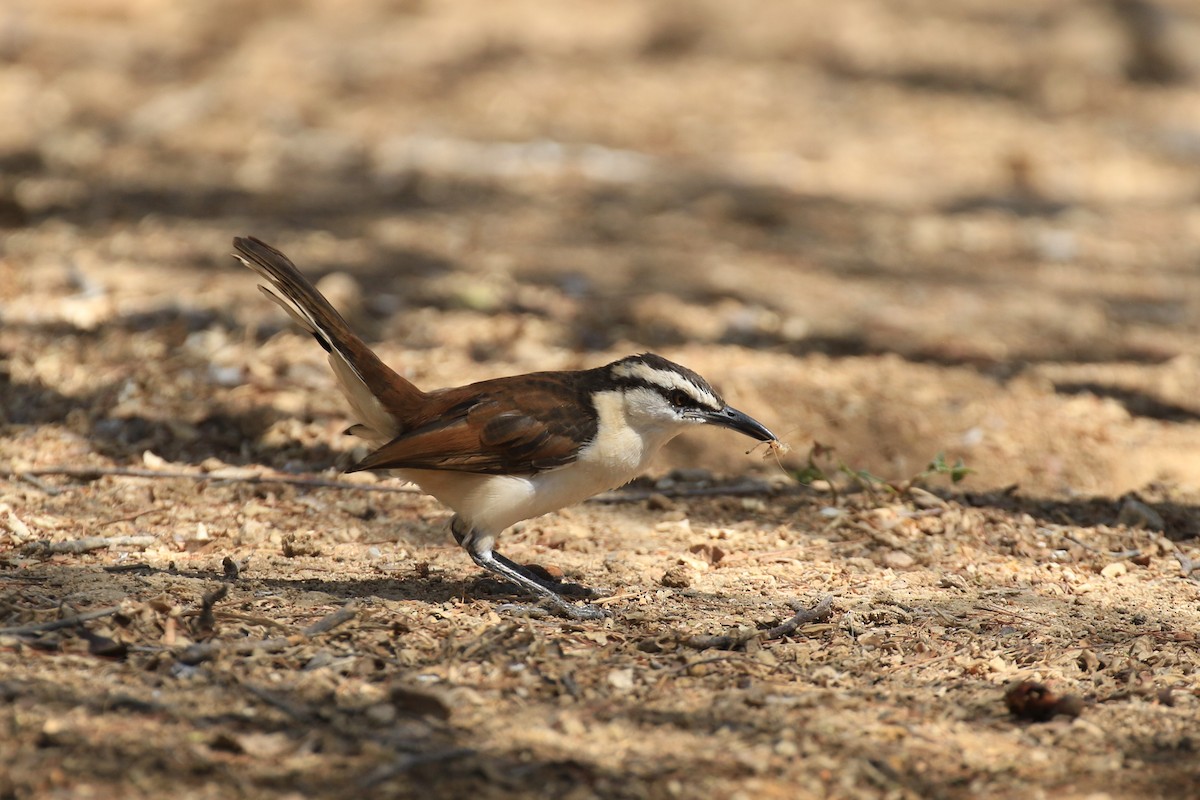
503, 450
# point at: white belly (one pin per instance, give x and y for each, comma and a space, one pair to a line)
491, 503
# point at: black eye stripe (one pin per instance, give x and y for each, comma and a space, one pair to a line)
679, 398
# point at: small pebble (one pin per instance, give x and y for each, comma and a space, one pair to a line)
621, 679
924, 499
381, 714
1114, 570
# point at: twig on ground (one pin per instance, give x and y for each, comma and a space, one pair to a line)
57, 624
928, 662
1091, 548
204, 651
739, 490
41, 485
206, 622
331, 621
139, 566
265, 622
243, 476
1010, 614
822, 610
733, 558
1119, 554
1186, 565
409, 763
132, 517
304, 713
199, 653
803, 616
77, 546
223, 476
735, 658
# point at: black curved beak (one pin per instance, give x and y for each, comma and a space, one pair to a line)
735, 420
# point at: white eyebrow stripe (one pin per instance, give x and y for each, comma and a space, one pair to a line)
667, 379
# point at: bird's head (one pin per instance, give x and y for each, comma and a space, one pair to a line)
662, 395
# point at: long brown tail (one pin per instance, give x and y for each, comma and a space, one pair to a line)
377, 394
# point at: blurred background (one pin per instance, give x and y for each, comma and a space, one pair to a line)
894, 227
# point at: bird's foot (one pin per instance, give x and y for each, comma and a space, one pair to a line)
552, 594
549, 608
547, 580
575, 591
583, 612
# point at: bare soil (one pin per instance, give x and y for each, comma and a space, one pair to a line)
894, 229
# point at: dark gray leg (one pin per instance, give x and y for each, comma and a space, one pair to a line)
513, 572
574, 591
460, 531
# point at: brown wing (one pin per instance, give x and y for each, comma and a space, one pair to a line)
516, 426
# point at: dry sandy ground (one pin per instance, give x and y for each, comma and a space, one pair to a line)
897, 229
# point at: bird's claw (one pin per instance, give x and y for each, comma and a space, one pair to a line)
549, 607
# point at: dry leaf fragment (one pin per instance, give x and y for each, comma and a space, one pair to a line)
1114, 570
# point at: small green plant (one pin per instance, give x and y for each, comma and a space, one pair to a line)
822, 463
956, 471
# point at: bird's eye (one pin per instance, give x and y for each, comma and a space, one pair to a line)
679, 398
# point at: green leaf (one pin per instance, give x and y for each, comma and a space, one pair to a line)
809, 474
